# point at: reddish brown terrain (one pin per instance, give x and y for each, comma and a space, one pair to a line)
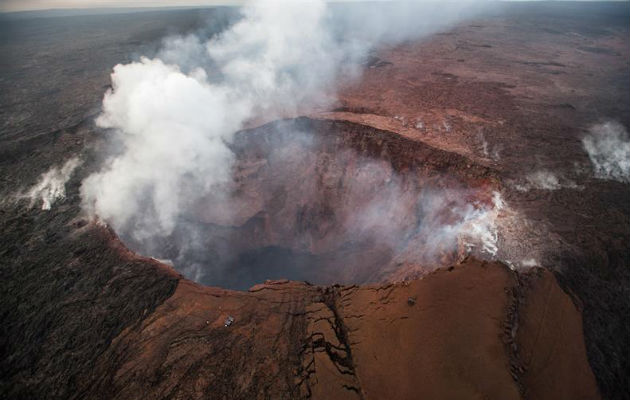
475, 108
475, 330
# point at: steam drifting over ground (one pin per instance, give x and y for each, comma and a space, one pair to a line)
51, 186
608, 147
545, 180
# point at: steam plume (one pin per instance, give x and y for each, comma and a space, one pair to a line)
52, 184
175, 126
608, 147
175, 115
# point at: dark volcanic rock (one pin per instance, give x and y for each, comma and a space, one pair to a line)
67, 293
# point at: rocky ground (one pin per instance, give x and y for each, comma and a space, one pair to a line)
491, 101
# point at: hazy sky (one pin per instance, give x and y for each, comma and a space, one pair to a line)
22, 5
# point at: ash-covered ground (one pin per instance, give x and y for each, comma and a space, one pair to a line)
529, 102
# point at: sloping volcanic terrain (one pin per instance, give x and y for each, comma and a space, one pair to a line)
290, 294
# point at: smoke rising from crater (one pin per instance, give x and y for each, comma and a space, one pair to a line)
175, 115
174, 126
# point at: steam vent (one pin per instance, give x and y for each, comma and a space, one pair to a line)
303, 199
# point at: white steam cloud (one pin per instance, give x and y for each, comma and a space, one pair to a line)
51, 185
608, 147
175, 126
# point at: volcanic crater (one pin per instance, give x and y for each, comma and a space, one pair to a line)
329, 202
437, 125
